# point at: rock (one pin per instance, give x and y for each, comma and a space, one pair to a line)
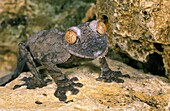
139, 29
139, 92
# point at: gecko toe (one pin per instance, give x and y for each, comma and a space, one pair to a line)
111, 76
74, 91
74, 79
60, 93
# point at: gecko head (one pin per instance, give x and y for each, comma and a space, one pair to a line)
88, 40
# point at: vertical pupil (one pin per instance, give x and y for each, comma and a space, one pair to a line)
71, 37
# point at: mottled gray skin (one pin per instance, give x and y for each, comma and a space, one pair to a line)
50, 49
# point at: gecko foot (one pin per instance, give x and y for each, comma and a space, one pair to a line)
67, 85
110, 76
31, 83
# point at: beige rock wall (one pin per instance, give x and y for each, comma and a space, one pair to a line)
138, 28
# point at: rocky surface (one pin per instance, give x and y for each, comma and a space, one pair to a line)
140, 92
139, 29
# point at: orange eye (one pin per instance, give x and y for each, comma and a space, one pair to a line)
70, 37
101, 28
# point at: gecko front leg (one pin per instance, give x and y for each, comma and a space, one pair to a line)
107, 75
63, 83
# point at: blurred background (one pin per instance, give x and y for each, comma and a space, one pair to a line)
21, 18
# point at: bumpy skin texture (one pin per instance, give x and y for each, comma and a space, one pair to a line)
49, 49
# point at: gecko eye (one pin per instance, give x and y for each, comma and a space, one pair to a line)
70, 37
101, 28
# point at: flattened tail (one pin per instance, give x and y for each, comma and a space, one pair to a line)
6, 79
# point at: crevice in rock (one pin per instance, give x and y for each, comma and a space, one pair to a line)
105, 19
125, 59
158, 47
154, 63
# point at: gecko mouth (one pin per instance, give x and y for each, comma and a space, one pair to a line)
95, 47
98, 53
